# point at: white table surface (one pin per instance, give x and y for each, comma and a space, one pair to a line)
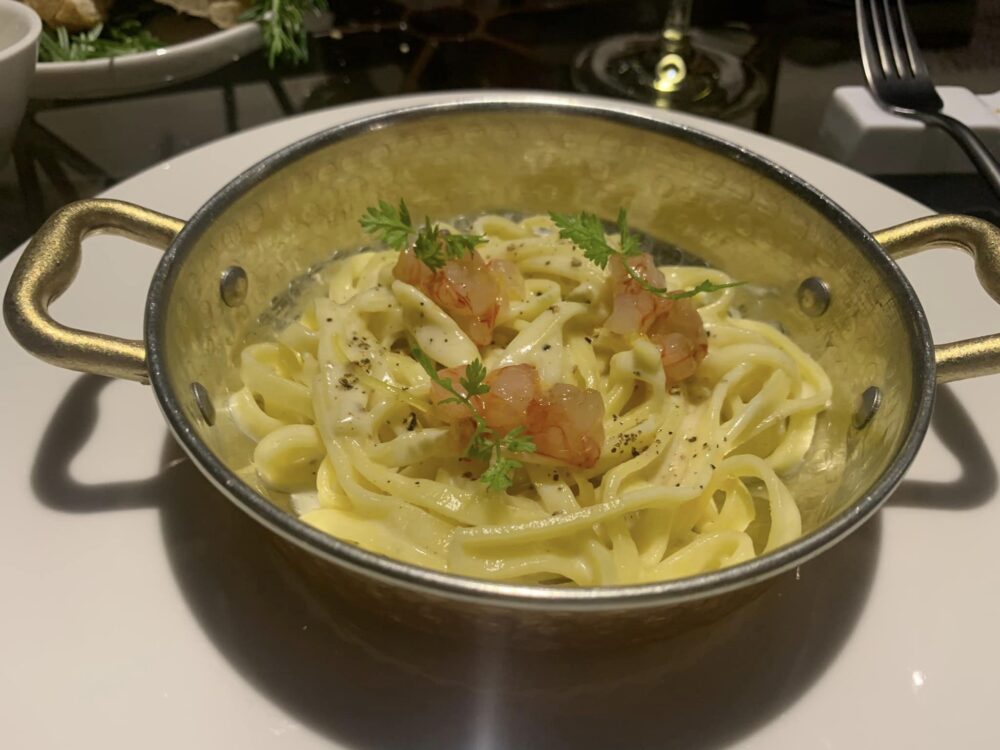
142, 610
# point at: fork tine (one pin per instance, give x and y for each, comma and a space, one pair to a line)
881, 42
869, 51
896, 45
912, 48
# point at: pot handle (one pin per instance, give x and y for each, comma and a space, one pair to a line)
47, 268
981, 239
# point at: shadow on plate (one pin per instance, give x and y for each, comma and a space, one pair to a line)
977, 482
370, 684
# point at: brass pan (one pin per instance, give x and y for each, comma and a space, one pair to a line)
837, 291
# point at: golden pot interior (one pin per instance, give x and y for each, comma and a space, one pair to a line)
683, 189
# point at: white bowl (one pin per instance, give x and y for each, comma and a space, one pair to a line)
145, 71
20, 27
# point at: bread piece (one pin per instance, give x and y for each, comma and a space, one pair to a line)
223, 13
75, 15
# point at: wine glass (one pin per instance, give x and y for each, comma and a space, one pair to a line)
682, 68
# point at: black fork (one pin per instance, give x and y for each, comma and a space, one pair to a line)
898, 78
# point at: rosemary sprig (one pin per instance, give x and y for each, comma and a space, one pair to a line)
586, 231
282, 23
484, 444
104, 40
431, 244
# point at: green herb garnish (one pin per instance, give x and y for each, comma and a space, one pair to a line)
104, 40
282, 22
433, 245
498, 476
484, 444
392, 226
586, 231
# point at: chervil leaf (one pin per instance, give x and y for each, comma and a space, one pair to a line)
483, 445
431, 369
474, 380
517, 442
428, 246
498, 476
428, 364
457, 245
404, 213
703, 288
628, 243
391, 226
432, 245
435, 247
475, 373
586, 232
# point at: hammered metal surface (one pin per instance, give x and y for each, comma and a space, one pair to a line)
706, 203
532, 631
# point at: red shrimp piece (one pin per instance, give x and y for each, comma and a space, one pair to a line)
674, 325
469, 293
680, 336
452, 414
508, 277
633, 308
464, 288
567, 424
411, 270
512, 389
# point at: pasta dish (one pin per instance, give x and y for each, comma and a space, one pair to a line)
532, 401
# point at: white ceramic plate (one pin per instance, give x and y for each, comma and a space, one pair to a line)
145, 71
142, 610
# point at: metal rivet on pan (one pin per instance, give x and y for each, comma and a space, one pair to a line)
233, 286
870, 402
814, 296
204, 403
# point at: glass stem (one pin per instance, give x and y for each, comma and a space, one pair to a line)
676, 26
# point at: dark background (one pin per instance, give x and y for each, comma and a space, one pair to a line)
804, 49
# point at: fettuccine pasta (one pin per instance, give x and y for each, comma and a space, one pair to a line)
687, 477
